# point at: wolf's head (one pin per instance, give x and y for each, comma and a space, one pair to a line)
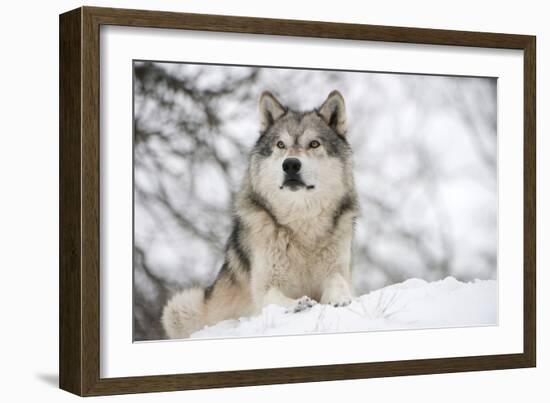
302, 159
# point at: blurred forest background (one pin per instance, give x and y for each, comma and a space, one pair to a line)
425, 167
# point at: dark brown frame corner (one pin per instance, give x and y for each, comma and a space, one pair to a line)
79, 61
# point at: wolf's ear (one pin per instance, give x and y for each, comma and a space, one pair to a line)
333, 112
270, 110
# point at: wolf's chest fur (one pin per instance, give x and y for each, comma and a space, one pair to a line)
298, 255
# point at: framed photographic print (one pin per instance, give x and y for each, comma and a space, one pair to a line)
249, 201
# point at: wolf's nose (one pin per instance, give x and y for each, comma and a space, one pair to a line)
292, 165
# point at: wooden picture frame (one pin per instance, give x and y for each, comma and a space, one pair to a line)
79, 282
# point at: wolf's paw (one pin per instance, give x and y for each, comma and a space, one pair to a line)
341, 303
302, 304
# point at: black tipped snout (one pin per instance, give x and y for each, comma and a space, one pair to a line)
292, 166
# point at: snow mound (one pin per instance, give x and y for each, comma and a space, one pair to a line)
412, 304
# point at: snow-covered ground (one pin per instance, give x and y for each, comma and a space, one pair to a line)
408, 305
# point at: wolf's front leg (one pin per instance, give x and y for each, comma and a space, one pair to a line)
336, 291
265, 290
271, 276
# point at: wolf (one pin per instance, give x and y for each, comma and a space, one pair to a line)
291, 242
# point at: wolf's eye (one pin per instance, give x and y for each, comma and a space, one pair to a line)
314, 144
280, 144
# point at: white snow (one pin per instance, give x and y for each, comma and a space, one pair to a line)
412, 304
